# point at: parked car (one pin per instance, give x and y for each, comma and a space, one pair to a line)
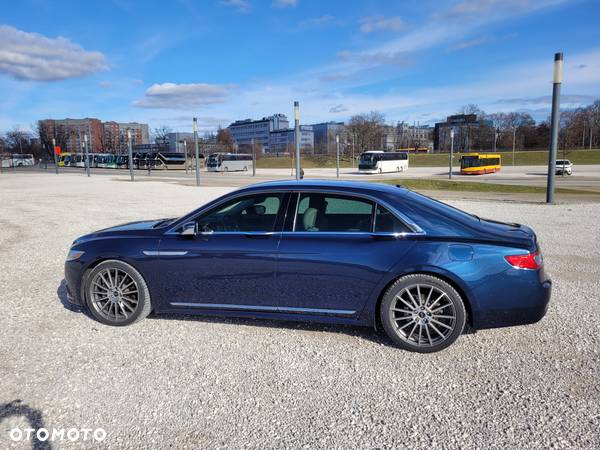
336, 252
564, 166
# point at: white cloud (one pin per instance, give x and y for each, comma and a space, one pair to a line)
32, 56
183, 96
338, 109
373, 59
381, 23
241, 6
284, 3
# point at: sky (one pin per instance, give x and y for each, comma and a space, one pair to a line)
164, 62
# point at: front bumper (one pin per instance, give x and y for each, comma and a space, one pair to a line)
73, 271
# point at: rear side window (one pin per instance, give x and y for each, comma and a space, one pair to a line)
333, 213
386, 222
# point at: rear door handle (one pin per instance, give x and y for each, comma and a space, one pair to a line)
258, 235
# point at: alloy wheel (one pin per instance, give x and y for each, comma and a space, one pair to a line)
115, 294
424, 315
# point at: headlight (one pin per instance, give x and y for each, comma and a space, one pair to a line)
74, 255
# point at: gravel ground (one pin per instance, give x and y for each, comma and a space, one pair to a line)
194, 382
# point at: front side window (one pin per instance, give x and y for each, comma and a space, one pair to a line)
333, 213
253, 213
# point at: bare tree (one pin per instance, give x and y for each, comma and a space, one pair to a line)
368, 130
159, 134
225, 139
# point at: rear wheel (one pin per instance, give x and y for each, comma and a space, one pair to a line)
116, 294
422, 313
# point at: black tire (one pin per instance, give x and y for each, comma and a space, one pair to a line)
394, 317
123, 315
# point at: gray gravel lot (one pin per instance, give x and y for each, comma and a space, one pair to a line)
195, 382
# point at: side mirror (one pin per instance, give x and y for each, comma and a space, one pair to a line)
189, 229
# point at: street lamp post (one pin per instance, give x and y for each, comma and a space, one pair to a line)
557, 81
130, 154
87, 154
186, 155
197, 164
337, 155
297, 137
451, 153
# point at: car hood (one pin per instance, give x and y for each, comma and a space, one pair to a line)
142, 227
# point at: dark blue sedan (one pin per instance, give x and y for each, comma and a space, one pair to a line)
336, 252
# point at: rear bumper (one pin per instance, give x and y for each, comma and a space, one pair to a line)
530, 312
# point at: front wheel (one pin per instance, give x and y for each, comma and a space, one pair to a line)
116, 294
422, 313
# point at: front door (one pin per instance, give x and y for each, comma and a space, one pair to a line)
232, 260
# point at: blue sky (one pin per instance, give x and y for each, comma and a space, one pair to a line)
164, 62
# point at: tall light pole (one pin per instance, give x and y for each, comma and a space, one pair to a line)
253, 159
495, 138
514, 141
130, 153
87, 154
451, 153
55, 156
337, 155
297, 137
557, 81
197, 165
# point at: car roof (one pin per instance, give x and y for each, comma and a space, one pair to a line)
316, 184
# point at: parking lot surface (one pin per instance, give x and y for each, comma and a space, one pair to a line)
193, 382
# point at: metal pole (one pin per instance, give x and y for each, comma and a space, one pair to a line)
514, 140
197, 153
337, 155
186, 155
558, 66
253, 159
297, 137
130, 151
451, 153
55, 158
87, 155
495, 138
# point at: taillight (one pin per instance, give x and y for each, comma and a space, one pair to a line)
526, 261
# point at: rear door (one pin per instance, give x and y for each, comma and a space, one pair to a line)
331, 255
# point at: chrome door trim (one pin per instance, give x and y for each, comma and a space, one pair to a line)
167, 253
282, 309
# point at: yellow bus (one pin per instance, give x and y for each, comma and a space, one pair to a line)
64, 160
479, 163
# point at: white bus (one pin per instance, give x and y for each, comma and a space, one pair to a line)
19, 160
380, 162
229, 162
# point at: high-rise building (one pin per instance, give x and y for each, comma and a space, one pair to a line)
69, 133
464, 126
102, 136
244, 132
324, 136
115, 135
284, 141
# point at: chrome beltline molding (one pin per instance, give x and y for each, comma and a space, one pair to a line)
283, 309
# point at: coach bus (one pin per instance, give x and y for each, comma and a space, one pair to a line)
479, 163
229, 162
170, 161
380, 162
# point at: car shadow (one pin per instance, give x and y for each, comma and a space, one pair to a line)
17, 408
61, 293
367, 333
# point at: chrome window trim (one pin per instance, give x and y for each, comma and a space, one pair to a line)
164, 253
280, 309
417, 230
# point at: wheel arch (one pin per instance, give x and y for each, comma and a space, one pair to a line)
442, 275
